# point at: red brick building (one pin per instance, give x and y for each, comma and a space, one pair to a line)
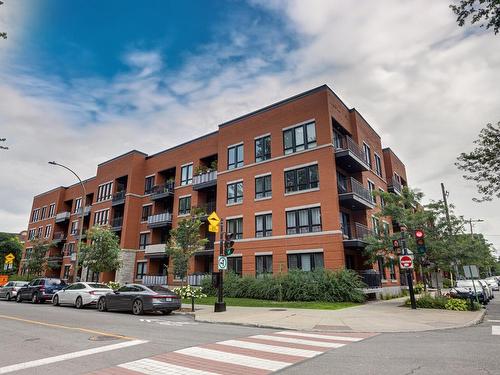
292, 181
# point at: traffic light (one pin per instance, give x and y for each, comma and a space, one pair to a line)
395, 245
420, 241
228, 244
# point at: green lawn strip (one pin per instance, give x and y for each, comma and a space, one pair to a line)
249, 302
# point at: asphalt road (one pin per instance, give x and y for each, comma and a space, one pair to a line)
64, 340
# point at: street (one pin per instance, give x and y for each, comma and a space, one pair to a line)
44, 339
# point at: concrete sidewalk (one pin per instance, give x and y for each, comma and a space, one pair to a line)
380, 316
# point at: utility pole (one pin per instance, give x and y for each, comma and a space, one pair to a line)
474, 221
450, 232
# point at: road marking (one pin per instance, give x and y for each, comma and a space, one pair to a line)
271, 348
299, 341
67, 327
153, 367
316, 336
168, 322
495, 330
65, 357
493, 321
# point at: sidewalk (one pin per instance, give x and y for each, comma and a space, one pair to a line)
380, 316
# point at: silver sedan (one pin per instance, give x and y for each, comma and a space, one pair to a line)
80, 294
9, 290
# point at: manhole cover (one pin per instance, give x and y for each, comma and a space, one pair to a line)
103, 338
277, 309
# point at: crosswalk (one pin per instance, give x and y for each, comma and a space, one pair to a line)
252, 355
495, 330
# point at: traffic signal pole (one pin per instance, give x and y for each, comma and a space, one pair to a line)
409, 276
220, 305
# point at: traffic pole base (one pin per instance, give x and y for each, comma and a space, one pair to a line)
220, 307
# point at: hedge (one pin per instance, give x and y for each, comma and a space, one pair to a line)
296, 285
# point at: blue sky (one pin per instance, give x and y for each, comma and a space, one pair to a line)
82, 81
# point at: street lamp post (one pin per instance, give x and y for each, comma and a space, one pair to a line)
82, 207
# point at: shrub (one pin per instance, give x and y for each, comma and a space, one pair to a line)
426, 301
473, 306
456, 304
447, 283
418, 288
189, 291
207, 287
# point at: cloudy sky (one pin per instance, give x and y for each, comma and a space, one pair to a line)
82, 81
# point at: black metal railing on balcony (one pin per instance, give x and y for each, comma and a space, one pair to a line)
117, 222
163, 190
59, 237
351, 185
159, 220
357, 231
394, 185
119, 197
86, 211
62, 216
347, 143
206, 209
371, 278
205, 178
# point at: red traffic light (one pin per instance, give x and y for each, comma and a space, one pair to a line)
419, 233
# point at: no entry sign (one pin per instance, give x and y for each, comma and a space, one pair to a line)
406, 261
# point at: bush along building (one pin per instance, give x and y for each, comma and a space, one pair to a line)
292, 181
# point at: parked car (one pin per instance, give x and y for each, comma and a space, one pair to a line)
480, 290
40, 290
488, 289
139, 299
493, 283
80, 294
9, 290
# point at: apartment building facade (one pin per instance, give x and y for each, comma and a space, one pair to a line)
292, 181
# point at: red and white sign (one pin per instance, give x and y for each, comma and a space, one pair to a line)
406, 261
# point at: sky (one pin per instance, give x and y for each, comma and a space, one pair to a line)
83, 81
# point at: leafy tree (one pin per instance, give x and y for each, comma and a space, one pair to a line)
9, 243
184, 241
485, 12
3, 35
37, 261
482, 165
3, 147
101, 252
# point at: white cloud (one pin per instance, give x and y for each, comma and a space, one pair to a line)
426, 85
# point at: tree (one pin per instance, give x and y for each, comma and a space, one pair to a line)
101, 252
36, 260
486, 12
482, 165
184, 241
3, 147
10, 244
3, 35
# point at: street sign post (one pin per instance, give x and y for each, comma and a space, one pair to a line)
220, 305
213, 219
409, 271
213, 228
406, 261
222, 263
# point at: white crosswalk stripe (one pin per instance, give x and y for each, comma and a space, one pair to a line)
317, 336
299, 341
271, 348
495, 330
152, 367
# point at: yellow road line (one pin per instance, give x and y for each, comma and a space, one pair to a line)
67, 327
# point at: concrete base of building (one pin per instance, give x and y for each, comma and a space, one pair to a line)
125, 274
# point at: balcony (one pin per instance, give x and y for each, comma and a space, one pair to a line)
371, 278
162, 191
154, 279
58, 237
116, 224
86, 211
61, 217
350, 156
54, 261
197, 279
118, 198
353, 195
160, 220
354, 235
394, 186
155, 250
206, 209
77, 235
205, 180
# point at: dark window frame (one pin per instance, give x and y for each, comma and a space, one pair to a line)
237, 162
266, 263
234, 199
298, 228
142, 266
146, 209
149, 183
232, 226
267, 191
266, 230
188, 179
144, 240
293, 175
265, 146
235, 265
184, 208
295, 147
312, 260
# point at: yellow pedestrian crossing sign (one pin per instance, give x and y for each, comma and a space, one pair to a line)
213, 219
213, 228
9, 258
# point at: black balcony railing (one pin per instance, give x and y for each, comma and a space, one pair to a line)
59, 236
371, 278
351, 185
163, 190
116, 223
347, 143
206, 208
357, 231
160, 220
394, 185
205, 179
119, 197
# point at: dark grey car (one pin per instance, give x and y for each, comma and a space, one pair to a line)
9, 290
139, 299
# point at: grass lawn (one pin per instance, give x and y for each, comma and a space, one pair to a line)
249, 302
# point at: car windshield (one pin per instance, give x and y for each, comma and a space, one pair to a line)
99, 286
55, 282
159, 289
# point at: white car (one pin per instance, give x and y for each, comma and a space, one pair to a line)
488, 288
80, 294
493, 283
481, 287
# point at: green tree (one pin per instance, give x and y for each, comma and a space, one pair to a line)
10, 244
101, 252
37, 259
184, 241
3, 147
3, 35
482, 165
484, 12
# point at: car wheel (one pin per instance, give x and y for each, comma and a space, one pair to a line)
55, 300
79, 303
8, 297
101, 305
19, 299
167, 312
137, 307
35, 299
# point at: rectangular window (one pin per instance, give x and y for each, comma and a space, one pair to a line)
44, 211
149, 182
264, 225
52, 210
392, 270
40, 232
235, 192
27, 253
234, 264
263, 265
77, 205
66, 272
378, 165
382, 201
74, 227
34, 216
376, 225
263, 187
263, 148
104, 192
299, 138
381, 268
101, 217
371, 187
70, 249
235, 226
306, 262
385, 229
301, 179
141, 270
306, 220
187, 174
146, 212
235, 157
48, 228
143, 240
368, 154
31, 234
184, 205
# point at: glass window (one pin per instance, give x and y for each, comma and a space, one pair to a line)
392, 270
234, 264
382, 201
48, 228
77, 205
184, 205
187, 174
44, 211
381, 268
378, 165
235, 226
263, 148
146, 212
367, 153
143, 240
101, 217
301, 179
306, 262
104, 192
149, 182
66, 272
299, 138
141, 270
52, 210
235, 157
74, 227
263, 187
263, 265
376, 225
264, 225
303, 221
235, 192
